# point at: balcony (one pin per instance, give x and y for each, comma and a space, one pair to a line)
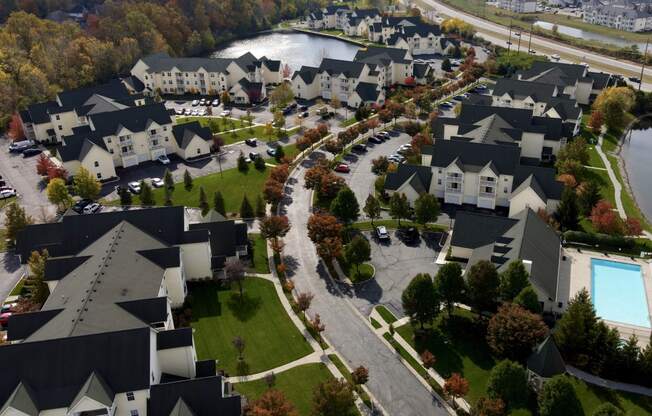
155, 141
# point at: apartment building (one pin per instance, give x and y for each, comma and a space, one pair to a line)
518, 6
422, 39
328, 17
524, 237
572, 80
536, 138
479, 174
129, 137
621, 14
50, 121
361, 81
245, 78
544, 100
104, 342
356, 22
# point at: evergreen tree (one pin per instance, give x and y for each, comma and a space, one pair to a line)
187, 180
528, 299
280, 153
446, 65
345, 206
259, 163
246, 210
218, 203
242, 163
168, 196
513, 280
146, 194
589, 197
167, 179
260, 207
567, 211
125, 196
203, 201
449, 284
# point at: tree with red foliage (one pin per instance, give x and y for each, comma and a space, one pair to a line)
303, 143
272, 403
418, 141
15, 129
385, 115
323, 226
57, 172
596, 121
513, 331
428, 359
274, 227
43, 165
410, 81
322, 129
273, 191
633, 227
286, 71
373, 124
280, 173
488, 407
606, 220
312, 135
330, 248
456, 385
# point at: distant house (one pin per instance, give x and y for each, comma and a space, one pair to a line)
50, 121
621, 14
483, 175
538, 138
575, 81
523, 237
545, 100
328, 17
518, 6
207, 76
104, 342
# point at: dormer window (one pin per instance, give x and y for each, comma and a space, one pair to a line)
130, 396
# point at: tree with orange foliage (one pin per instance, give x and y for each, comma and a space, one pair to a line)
428, 359
418, 141
15, 129
55, 171
43, 165
373, 124
280, 173
273, 191
456, 386
596, 121
568, 180
272, 403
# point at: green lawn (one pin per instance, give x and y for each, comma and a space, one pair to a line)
601, 177
459, 347
219, 315
298, 385
347, 123
375, 323
290, 151
232, 183
216, 124
356, 274
259, 255
631, 208
386, 314
592, 396
18, 289
594, 158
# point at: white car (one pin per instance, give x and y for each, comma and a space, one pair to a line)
194, 112
92, 208
134, 187
215, 103
7, 193
157, 182
163, 159
195, 103
187, 111
381, 233
178, 111
202, 112
555, 56
225, 113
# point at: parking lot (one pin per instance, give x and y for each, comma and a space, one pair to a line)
396, 263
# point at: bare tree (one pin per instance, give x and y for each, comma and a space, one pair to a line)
270, 379
303, 301
239, 345
235, 272
318, 326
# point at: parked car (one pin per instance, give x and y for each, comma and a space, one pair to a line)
555, 56
32, 151
7, 193
374, 139
202, 101
194, 112
195, 103
396, 158
253, 142
381, 233
215, 103
408, 234
303, 108
4, 319
294, 105
201, 112
157, 182
287, 111
178, 111
253, 155
79, 206
385, 134
305, 114
134, 187
271, 151
8, 307
343, 168
21, 145
634, 79
92, 208
225, 113
163, 159
187, 112
359, 148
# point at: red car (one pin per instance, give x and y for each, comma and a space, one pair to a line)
4, 319
342, 167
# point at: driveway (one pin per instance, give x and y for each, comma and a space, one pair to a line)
20, 173
396, 263
395, 387
10, 272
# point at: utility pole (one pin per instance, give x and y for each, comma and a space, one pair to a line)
640, 81
529, 43
509, 39
518, 49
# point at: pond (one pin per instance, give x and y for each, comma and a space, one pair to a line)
295, 49
637, 153
585, 34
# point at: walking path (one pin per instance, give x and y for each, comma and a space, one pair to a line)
609, 384
612, 176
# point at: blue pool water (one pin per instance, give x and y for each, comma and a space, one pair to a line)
618, 292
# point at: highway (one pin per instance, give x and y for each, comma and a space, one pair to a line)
498, 35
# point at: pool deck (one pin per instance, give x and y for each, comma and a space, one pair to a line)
575, 274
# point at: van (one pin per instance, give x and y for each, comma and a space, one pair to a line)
20, 146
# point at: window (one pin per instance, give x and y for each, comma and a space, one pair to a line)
133, 412
505, 190
60, 128
111, 151
97, 164
108, 140
58, 117
131, 398
198, 150
99, 175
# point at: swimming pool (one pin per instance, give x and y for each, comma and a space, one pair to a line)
618, 292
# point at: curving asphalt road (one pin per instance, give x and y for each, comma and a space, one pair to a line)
395, 387
497, 34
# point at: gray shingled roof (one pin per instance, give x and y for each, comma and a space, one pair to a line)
473, 156
376, 55
419, 177
184, 133
204, 396
335, 67
546, 360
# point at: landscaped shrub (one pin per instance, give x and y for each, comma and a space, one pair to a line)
601, 240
